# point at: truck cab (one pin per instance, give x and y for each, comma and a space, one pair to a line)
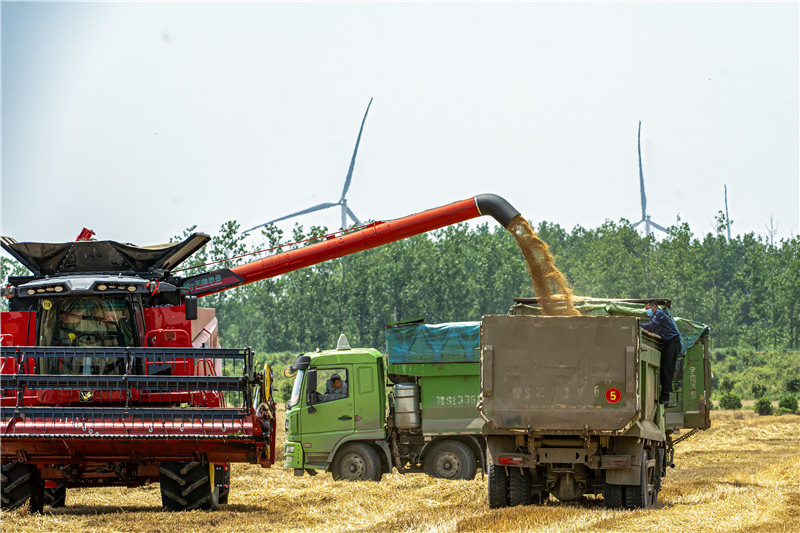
321, 420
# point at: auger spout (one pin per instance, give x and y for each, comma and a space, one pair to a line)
372, 236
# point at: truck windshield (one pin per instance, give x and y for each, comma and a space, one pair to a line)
298, 385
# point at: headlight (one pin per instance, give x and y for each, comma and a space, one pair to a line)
289, 448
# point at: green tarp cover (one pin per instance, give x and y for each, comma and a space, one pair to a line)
453, 342
690, 331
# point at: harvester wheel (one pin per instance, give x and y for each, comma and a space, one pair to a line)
225, 491
519, 487
450, 459
21, 483
498, 487
641, 496
357, 462
187, 486
56, 497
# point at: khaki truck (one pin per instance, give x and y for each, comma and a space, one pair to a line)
571, 403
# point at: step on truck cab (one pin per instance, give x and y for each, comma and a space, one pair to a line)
571, 403
412, 409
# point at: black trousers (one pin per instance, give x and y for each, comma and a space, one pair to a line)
669, 357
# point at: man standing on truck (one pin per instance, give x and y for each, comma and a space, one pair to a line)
662, 325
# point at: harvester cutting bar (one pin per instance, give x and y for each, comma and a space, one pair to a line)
115, 422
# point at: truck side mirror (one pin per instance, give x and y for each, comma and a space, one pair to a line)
190, 303
311, 387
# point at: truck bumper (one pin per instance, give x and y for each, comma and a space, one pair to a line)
293, 455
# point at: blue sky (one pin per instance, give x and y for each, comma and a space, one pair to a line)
139, 120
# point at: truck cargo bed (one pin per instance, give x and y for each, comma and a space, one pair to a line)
560, 374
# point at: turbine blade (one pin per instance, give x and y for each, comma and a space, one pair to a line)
355, 152
634, 225
659, 227
641, 174
318, 207
353, 216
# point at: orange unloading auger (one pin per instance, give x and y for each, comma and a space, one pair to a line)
372, 236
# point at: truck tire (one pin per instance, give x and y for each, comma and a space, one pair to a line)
641, 496
450, 459
357, 462
498, 487
613, 496
519, 487
187, 486
19, 483
56, 497
225, 491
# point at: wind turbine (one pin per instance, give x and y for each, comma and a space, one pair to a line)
727, 216
346, 211
645, 217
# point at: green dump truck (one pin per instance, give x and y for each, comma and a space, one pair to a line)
570, 403
427, 422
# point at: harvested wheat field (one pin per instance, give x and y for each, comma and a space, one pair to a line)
741, 475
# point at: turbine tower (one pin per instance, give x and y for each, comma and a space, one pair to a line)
727, 216
346, 211
648, 222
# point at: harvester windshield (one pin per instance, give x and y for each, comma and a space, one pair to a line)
85, 321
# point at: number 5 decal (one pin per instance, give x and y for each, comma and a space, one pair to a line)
613, 395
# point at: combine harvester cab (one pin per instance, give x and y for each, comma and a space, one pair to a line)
571, 403
113, 376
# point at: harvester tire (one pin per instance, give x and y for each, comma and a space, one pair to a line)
187, 486
519, 487
641, 496
498, 487
357, 462
56, 497
20, 483
225, 491
450, 459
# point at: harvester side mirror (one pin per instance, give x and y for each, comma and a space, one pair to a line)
190, 303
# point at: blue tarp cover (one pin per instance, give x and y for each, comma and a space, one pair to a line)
453, 342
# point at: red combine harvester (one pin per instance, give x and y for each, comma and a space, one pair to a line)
113, 376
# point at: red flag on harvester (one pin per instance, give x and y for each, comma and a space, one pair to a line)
85, 235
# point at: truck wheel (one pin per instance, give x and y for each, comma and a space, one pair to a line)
613, 496
19, 482
641, 496
187, 486
498, 487
450, 460
225, 491
56, 497
357, 462
519, 487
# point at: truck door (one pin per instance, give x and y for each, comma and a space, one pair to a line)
328, 416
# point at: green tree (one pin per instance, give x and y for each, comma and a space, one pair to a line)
763, 406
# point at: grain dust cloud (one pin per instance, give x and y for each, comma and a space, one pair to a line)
555, 296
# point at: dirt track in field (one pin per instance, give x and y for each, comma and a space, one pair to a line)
741, 475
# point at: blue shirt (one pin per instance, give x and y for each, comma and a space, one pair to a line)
662, 325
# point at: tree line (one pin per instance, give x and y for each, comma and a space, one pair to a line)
746, 288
